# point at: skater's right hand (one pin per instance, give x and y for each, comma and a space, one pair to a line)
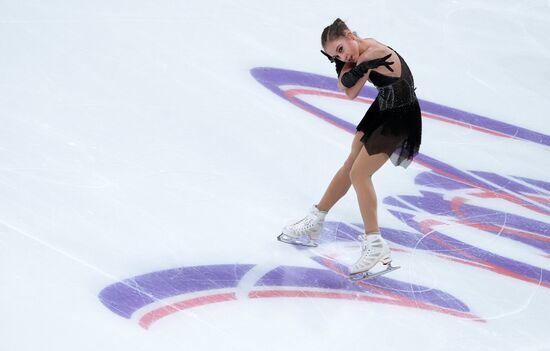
375, 63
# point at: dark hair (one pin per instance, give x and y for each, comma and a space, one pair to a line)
336, 30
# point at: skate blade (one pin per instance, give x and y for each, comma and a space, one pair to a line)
369, 275
288, 240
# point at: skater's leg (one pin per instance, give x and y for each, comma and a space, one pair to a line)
363, 168
341, 182
373, 247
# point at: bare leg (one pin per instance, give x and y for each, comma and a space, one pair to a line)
341, 182
363, 168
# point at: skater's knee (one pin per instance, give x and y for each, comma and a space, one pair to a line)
357, 174
356, 147
346, 167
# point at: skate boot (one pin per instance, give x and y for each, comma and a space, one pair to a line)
305, 231
374, 249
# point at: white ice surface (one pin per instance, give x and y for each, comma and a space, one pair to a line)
134, 139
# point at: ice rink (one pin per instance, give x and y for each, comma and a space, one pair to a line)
151, 152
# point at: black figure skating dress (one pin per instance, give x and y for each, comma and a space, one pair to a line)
393, 123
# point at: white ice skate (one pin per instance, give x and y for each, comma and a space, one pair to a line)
305, 231
374, 249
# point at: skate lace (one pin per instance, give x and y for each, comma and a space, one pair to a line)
368, 249
305, 223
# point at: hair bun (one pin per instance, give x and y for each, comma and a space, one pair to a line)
337, 29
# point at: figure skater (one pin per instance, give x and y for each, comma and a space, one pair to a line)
391, 129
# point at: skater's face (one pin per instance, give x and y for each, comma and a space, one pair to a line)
344, 48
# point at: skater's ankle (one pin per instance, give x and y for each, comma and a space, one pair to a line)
374, 232
324, 210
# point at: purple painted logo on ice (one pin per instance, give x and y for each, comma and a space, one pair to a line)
201, 285
448, 197
440, 204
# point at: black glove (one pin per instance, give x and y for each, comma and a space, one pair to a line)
352, 76
339, 64
375, 63
330, 58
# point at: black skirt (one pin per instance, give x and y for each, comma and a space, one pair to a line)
393, 123
396, 132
